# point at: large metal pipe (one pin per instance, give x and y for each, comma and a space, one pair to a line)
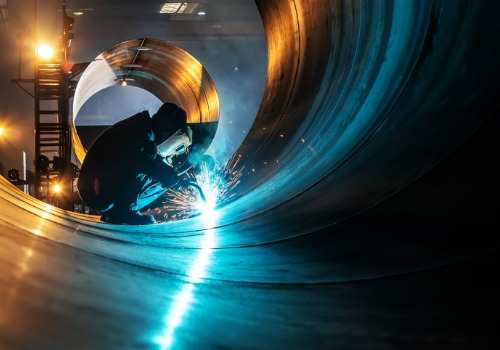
366, 102
161, 68
361, 100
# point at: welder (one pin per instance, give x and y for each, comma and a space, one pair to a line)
124, 170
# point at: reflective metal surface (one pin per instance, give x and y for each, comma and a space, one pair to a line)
363, 219
163, 69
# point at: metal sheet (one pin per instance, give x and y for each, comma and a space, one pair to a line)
165, 70
360, 221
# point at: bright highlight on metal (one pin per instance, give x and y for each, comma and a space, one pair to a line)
132, 65
140, 48
183, 299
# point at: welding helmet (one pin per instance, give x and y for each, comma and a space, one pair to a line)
167, 121
176, 144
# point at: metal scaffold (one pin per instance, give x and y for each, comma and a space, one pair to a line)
54, 172
53, 180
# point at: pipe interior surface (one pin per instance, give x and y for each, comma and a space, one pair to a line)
362, 100
161, 68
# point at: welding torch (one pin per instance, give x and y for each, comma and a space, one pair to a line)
188, 182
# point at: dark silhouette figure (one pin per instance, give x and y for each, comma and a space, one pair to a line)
123, 172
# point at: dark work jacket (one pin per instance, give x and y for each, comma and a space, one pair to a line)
117, 159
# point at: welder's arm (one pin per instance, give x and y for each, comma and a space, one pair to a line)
148, 148
161, 171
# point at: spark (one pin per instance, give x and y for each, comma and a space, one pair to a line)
217, 185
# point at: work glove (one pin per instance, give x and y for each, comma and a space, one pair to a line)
185, 182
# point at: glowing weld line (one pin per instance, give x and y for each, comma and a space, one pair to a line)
213, 187
184, 298
216, 186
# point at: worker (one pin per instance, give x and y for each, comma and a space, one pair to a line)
123, 171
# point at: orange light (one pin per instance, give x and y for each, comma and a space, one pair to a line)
45, 52
57, 188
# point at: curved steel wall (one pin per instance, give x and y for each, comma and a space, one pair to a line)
163, 69
362, 99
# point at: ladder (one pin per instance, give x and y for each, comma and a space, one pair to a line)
52, 136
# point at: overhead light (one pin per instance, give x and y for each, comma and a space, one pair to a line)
171, 7
180, 8
123, 81
80, 11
